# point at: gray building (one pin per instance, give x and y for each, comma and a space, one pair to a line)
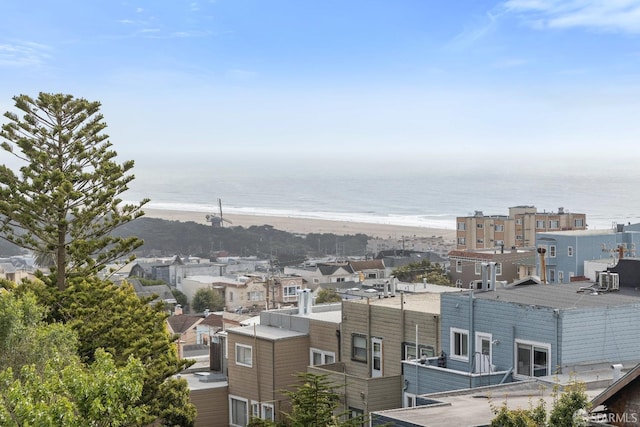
526, 331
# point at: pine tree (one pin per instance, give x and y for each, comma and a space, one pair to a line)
64, 200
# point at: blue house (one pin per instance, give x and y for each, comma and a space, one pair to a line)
530, 330
566, 251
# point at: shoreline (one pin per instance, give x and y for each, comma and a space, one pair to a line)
307, 225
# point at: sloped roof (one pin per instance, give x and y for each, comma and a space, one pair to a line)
213, 320
180, 323
329, 269
373, 264
616, 387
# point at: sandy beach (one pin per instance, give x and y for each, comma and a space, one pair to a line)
305, 226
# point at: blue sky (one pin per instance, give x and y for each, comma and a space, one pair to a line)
350, 81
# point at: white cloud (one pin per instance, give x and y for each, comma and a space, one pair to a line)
23, 54
610, 15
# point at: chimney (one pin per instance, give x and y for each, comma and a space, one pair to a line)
177, 310
304, 301
485, 279
492, 274
617, 371
394, 283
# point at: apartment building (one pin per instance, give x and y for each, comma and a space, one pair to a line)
518, 229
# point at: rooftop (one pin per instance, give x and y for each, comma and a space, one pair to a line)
472, 407
266, 332
424, 302
563, 296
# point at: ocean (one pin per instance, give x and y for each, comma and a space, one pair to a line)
426, 197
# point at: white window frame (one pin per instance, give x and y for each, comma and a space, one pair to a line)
452, 344
246, 414
554, 224
377, 357
462, 226
424, 351
323, 355
458, 266
499, 228
498, 269
570, 251
462, 241
560, 276
364, 356
552, 251
478, 267
243, 362
552, 275
409, 400
578, 222
263, 412
533, 345
540, 224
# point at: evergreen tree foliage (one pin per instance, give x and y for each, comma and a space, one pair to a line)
111, 317
67, 394
64, 201
566, 405
207, 299
314, 404
43, 381
327, 295
417, 271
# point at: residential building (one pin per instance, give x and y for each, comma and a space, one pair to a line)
564, 253
323, 272
377, 334
282, 290
518, 229
264, 358
618, 404
466, 267
519, 332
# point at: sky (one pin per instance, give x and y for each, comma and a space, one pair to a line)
354, 82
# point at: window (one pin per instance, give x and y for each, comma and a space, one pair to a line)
320, 357
519, 237
458, 266
461, 241
459, 344
459, 283
554, 224
499, 243
478, 268
560, 276
409, 351
238, 415
480, 241
552, 251
540, 224
290, 291
359, 347
230, 296
462, 226
479, 225
340, 279
532, 359
499, 227
552, 275
356, 413
519, 221
579, 222
262, 410
498, 269
570, 251
256, 296
376, 357
244, 355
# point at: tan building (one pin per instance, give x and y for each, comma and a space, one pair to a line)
376, 335
263, 359
466, 266
517, 229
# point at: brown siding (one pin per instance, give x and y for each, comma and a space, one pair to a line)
354, 320
213, 407
322, 335
291, 357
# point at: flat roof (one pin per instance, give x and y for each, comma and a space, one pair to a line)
423, 302
204, 380
472, 407
266, 332
577, 232
561, 296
